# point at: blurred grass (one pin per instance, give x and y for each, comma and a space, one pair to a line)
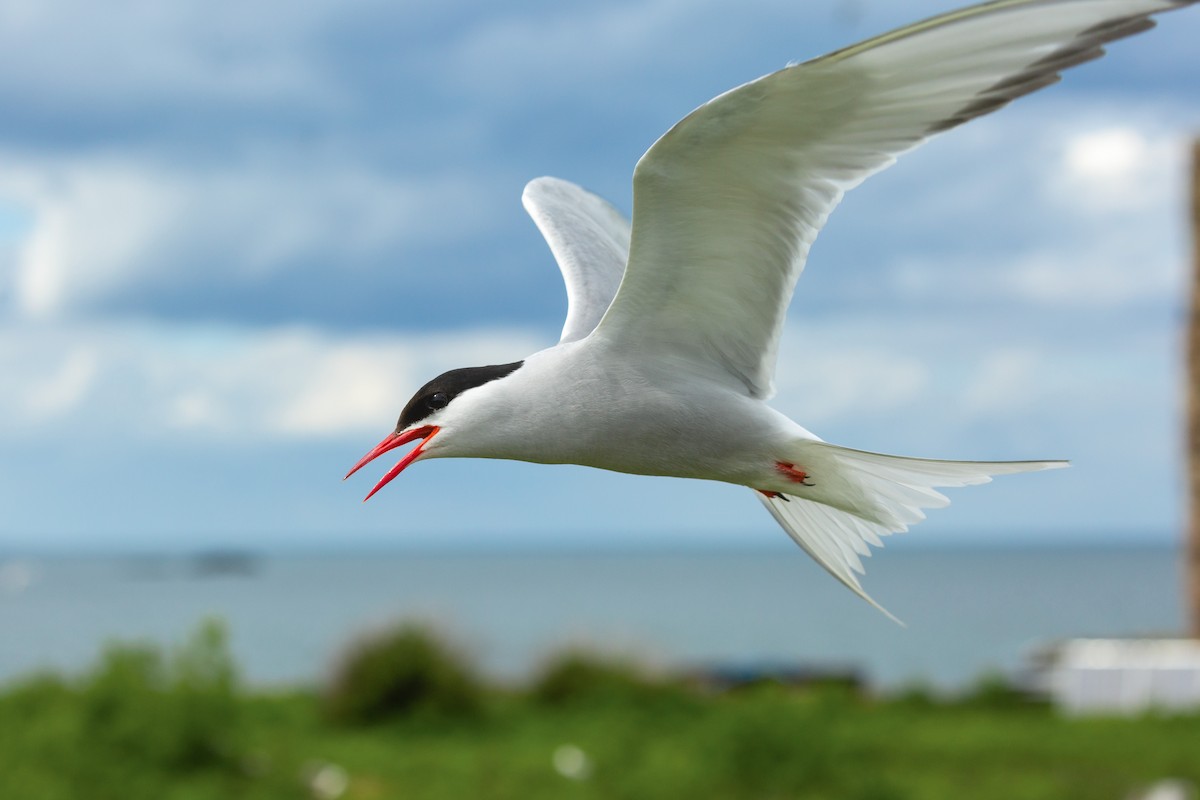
146, 724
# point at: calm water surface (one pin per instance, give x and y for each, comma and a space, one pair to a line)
967, 611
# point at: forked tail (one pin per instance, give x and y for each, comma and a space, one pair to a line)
857, 497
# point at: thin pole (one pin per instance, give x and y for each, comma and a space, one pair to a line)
1192, 549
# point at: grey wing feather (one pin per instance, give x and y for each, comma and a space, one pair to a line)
590, 241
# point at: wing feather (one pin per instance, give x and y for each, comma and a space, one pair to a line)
590, 241
861, 497
728, 202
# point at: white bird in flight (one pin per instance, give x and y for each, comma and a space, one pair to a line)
665, 362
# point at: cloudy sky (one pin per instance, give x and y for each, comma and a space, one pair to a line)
234, 238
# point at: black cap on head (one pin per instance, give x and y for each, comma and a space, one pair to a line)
441, 390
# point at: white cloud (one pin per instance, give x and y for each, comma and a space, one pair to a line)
147, 382
851, 381
64, 389
1107, 272
104, 226
110, 217
1002, 383
1107, 155
1082, 210
981, 384
238, 385
1120, 169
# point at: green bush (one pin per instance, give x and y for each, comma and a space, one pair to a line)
917, 696
136, 721
994, 691
580, 676
178, 713
404, 671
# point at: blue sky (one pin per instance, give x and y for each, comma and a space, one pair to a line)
234, 239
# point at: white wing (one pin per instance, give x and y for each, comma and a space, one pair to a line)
728, 202
590, 241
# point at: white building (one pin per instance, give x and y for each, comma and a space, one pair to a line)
1123, 676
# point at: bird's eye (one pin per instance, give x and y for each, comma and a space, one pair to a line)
438, 400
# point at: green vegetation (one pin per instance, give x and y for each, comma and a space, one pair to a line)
406, 717
578, 677
401, 672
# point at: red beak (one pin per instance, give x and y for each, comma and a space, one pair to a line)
391, 442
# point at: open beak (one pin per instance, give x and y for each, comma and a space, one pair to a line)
393, 441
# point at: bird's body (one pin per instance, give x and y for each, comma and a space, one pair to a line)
666, 359
592, 407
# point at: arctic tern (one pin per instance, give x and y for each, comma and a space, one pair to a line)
666, 359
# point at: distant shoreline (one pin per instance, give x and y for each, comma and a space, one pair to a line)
903, 544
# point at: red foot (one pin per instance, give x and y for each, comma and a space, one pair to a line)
792, 472
767, 493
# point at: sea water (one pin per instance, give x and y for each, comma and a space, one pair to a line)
968, 612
